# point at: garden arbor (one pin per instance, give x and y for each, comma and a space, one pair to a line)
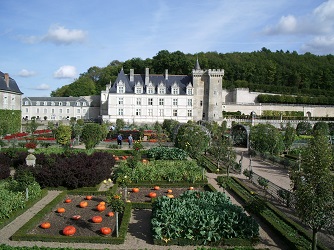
240, 135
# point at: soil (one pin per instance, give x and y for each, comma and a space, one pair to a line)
85, 226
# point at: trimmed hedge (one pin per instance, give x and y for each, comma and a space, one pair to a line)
294, 234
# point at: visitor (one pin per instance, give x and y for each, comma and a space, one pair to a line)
119, 140
130, 140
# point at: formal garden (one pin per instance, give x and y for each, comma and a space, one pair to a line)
101, 188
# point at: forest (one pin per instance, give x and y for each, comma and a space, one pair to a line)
286, 73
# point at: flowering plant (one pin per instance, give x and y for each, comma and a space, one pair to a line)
137, 145
31, 145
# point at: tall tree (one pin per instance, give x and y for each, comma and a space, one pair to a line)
63, 135
289, 136
91, 135
314, 187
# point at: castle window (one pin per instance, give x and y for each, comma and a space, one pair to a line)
150, 101
174, 112
121, 101
161, 102
45, 111
150, 112
84, 104
120, 111
38, 103
161, 89
174, 102
68, 104
67, 111
138, 112
53, 103
37, 110
190, 102
45, 103
120, 89
78, 103
161, 112
60, 104
60, 111
150, 90
25, 103
175, 89
190, 113
201, 103
139, 90
138, 101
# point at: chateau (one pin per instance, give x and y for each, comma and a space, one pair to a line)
147, 98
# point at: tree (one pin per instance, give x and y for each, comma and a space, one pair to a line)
222, 147
32, 126
63, 135
314, 187
289, 136
91, 135
120, 123
304, 128
322, 127
266, 138
192, 138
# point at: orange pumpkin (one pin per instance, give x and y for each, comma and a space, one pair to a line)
144, 161
156, 188
68, 200
83, 204
97, 219
152, 194
69, 230
45, 225
89, 197
105, 230
110, 214
102, 203
76, 217
116, 158
135, 190
169, 191
170, 196
191, 188
61, 210
100, 207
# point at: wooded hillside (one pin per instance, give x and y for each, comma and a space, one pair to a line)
273, 72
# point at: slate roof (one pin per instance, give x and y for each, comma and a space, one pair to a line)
181, 80
13, 87
32, 100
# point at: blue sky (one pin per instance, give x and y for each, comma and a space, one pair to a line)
46, 44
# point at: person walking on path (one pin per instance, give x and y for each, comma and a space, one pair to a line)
119, 140
130, 140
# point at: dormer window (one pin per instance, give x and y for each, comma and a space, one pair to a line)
25, 103
190, 89
38, 103
78, 104
68, 104
60, 104
45, 103
161, 89
53, 104
175, 89
150, 88
138, 88
120, 87
84, 104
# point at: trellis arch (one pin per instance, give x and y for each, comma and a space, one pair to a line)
240, 135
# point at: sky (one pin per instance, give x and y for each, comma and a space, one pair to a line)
47, 44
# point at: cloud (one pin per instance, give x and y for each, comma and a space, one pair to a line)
66, 71
287, 24
26, 73
43, 87
58, 35
321, 45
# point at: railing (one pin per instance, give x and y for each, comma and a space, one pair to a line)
282, 195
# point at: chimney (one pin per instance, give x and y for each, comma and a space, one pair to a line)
147, 76
166, 74
131, 75
7, 79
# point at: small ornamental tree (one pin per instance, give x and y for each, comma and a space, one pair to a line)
289, 136
91, 135
192, 138
314, 185
63, 135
